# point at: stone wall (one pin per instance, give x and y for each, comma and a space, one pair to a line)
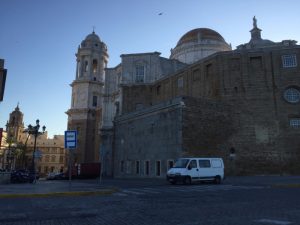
153, 134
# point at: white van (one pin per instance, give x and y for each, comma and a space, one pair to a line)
188, 170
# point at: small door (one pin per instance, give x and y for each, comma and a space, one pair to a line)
193, 170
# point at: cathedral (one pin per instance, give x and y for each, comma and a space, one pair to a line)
204, 100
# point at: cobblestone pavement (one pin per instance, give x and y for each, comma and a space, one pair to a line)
204, 204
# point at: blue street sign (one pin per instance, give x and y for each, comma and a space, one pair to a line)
71, 139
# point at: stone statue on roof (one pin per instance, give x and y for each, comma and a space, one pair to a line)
254, 22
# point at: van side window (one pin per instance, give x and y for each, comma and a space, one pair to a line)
204, 163
193, 164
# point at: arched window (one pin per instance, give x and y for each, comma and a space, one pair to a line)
53, 158
86, 66
95, 65
47, 158
94, 101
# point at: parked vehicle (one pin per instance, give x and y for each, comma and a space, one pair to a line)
56, 176
188, 170
23, 176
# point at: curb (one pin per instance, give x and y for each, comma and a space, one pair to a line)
58, 194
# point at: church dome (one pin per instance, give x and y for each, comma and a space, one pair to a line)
92, 40
92, 37
197, 44
200, 34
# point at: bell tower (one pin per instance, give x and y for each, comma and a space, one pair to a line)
15, 125
86, 101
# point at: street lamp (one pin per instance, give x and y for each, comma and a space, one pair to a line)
34, 130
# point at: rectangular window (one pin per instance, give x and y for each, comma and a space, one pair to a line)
235, 64
204, 163
122, 166
128, 167
196, 74
289, 61
137, 167
180, 82
147, 168
157, 168
94, 101
295, 122
209, 69
139, 74
158, 90
256, 63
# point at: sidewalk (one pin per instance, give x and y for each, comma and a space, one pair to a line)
44, 188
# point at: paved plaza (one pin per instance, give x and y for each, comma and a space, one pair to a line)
239, 200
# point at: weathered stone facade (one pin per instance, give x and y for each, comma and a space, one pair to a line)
241, 105
234, 100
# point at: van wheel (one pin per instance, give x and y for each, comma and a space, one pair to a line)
187, 180
217, 180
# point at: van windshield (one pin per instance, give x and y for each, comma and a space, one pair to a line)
181, 163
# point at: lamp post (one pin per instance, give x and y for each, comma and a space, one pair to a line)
34, 130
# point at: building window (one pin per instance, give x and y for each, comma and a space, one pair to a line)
139, 74
295, 122
94, 101
53, 158
147, 168
292, 95
180, 82
47, 158
196, 74
289, 61
86, 66
157, 168
158, 89
95, 65
61, 159
137, 167
128, 167
122, 166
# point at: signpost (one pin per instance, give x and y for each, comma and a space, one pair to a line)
70, 143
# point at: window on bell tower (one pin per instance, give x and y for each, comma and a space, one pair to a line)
95, 65
86, 66
94, 101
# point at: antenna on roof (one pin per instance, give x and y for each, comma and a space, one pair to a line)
94, 29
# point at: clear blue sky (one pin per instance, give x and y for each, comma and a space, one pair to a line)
39, 39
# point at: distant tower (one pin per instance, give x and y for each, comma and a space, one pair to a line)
86, 102
15, 125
